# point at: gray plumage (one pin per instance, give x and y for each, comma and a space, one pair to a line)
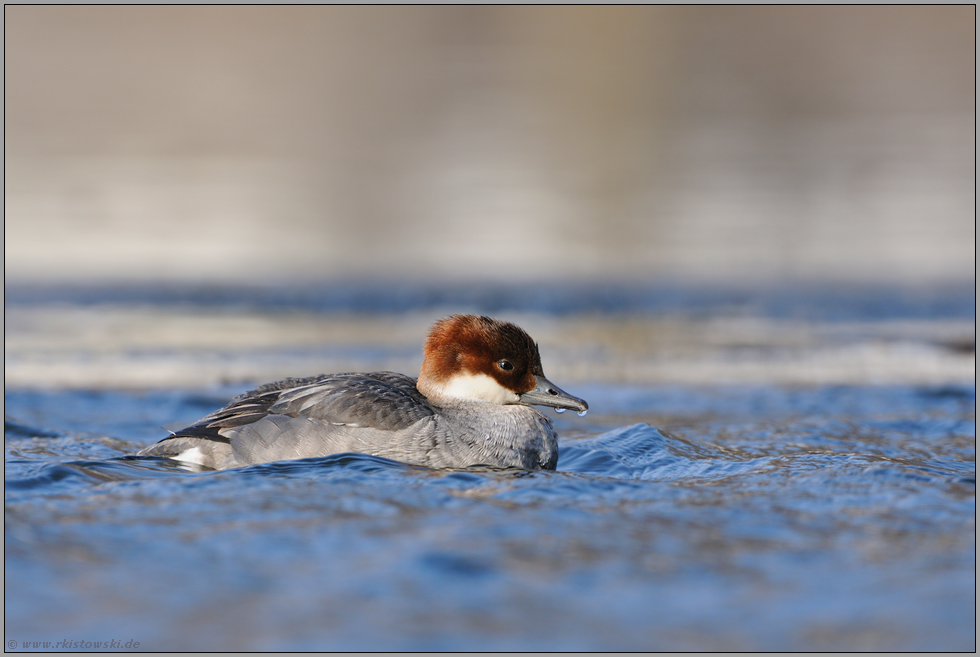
381, 413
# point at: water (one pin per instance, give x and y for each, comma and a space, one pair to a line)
695, 516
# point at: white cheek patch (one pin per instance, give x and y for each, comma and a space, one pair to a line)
192, 455
477, 387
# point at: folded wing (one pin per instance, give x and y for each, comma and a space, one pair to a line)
302, 418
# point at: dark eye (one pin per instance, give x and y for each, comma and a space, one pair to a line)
505, 365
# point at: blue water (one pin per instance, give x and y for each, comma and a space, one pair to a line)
680, 518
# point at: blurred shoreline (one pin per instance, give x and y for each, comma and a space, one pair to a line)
699, 144
875, 200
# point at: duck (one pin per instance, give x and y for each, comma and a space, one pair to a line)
471, 405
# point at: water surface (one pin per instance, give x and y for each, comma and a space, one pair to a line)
780, 515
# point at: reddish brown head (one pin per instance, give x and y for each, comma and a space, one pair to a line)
482, 359
463, 345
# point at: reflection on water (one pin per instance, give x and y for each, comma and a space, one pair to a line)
92, 337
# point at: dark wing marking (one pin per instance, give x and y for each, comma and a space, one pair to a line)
378, 399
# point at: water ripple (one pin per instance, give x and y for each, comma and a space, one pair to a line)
726, 525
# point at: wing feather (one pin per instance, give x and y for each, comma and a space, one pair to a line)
385, 400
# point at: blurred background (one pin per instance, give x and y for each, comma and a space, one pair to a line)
198, 195
693, 144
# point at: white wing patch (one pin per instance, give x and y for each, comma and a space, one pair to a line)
192, 455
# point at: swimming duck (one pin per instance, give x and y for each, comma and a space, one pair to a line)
471, 405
